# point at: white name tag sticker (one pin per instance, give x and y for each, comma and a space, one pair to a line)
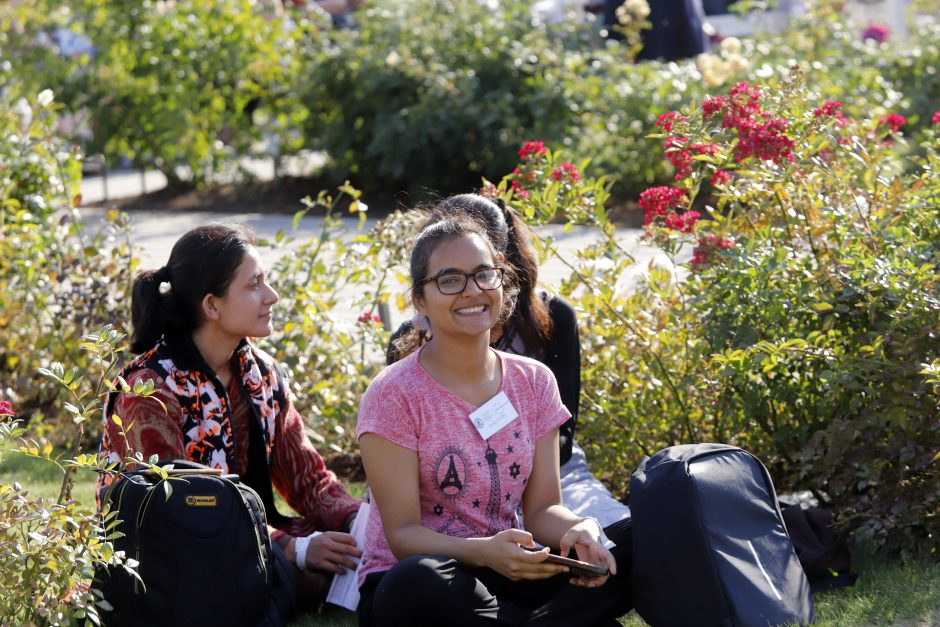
493, 415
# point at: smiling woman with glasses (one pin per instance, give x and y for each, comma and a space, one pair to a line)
455, 438
450, 281
542, 326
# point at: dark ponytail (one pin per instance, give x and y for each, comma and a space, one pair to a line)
531, 318
168, 301
146, 305
488, 211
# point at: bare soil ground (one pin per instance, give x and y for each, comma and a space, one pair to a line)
284, 196
279, 196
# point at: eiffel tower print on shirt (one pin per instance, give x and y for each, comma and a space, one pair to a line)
493, 504
451, 472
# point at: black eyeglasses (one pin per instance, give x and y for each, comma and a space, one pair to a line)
450, 282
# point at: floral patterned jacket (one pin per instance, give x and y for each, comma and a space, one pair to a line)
206, 423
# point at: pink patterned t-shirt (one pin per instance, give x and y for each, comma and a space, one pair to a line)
469, 487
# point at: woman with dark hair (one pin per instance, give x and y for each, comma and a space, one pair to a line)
222, 402
455, 438
543, 327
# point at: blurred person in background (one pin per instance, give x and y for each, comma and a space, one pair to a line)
677, 29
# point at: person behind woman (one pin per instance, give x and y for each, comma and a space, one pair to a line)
454, 438
543, 327
222, 402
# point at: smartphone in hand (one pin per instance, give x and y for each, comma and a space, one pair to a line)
577, 568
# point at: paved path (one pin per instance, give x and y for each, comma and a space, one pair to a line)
155, 232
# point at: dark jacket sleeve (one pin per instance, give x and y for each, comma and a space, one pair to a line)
563, 358
309, 487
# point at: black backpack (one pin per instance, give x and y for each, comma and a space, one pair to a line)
204, 554
823, 551
709, 544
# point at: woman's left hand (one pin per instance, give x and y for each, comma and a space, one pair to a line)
585, 538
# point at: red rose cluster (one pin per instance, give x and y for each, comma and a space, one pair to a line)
532, 149
759, 134
876, 32
830, 108
533, 158
368, 319
566, 171
666, 120
658, 202
682, 222
893, 121
681, 155
707, 245
720, 178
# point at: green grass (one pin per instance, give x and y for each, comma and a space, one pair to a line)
889, 591
43, 479
326, 617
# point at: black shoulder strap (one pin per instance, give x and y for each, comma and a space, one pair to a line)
258, 475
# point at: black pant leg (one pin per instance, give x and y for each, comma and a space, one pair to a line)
366, 595
426, 590
435, 590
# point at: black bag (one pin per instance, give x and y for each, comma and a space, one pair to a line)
823, 552
709, 544
205, 557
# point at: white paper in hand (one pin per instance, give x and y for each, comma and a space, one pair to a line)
344, 591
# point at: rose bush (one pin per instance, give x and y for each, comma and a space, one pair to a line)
414, 99
805, 327
618, 103
186, 87
52, 547
58, 280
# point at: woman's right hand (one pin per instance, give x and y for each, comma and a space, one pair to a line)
505, 554
330, 551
